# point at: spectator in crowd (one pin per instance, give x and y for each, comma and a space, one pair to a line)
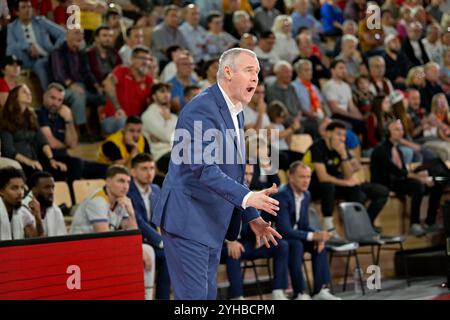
282, 89
167, 34
406, 17
293, 223
438, 133
355, 10
435, 11
309, 96
4, 20
416, 80
183, 78
102, 55
21, 138
91, 13
128, 89
332, 18
432, 43
209, 73
432, 86
70, 66
144, 195
412, 47
17, 224
351, 57
194, 34
110, 209
57, 126
170, 69
397, 64
255, 113
190, 92
379, 116
264, 174
114, 20
122, 146
302, 17
207, 7
134, 37
241, 24
30, 40
388, 168
265, 15
278, 115
416, 113
158, 125
339, 98
266, 54
305, 47
42, 189
388, 23
219, 40
234, 252
329, 160
348, 27
10, 70
378, 83
248, 41
362, 97
445, 71
285, 46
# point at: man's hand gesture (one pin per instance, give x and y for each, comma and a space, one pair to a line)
261, 200
264, 231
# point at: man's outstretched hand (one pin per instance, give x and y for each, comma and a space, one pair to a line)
261, 200
262, 229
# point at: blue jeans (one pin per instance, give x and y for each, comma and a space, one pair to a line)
113, 124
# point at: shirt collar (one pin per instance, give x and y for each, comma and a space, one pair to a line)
234, 108
298, 197
142, 190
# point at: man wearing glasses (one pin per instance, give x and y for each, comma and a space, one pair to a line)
29, 39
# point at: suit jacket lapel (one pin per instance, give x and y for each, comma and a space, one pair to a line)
225, 112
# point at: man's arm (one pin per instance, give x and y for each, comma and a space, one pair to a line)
110, 90
324, 177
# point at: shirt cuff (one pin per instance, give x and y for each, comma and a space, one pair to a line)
244, 202
310, 236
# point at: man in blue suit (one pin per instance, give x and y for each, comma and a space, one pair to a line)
293, 223
204, 196
29, 39
144, 195
233, 252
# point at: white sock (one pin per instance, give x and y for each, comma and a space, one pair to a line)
149, 293
327, 223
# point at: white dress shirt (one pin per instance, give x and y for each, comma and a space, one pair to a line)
298, 207
235, 109
145, 194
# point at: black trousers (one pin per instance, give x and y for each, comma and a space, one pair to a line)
417, 190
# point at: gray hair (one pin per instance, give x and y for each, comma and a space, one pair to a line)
349, 37
300, 63
375, 58
228, 58
239, 14
55, 85
280, 64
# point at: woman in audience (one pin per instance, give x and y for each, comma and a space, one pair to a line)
10, 70
285, 47
209, 73
437, 135
380, 114
21, 138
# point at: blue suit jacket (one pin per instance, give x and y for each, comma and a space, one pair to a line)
285, 220
149, 233
202, 201
43, 29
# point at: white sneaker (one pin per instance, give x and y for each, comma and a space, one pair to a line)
303, 296
238, 298
278, 294
325, 294
417, 230
148, 293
